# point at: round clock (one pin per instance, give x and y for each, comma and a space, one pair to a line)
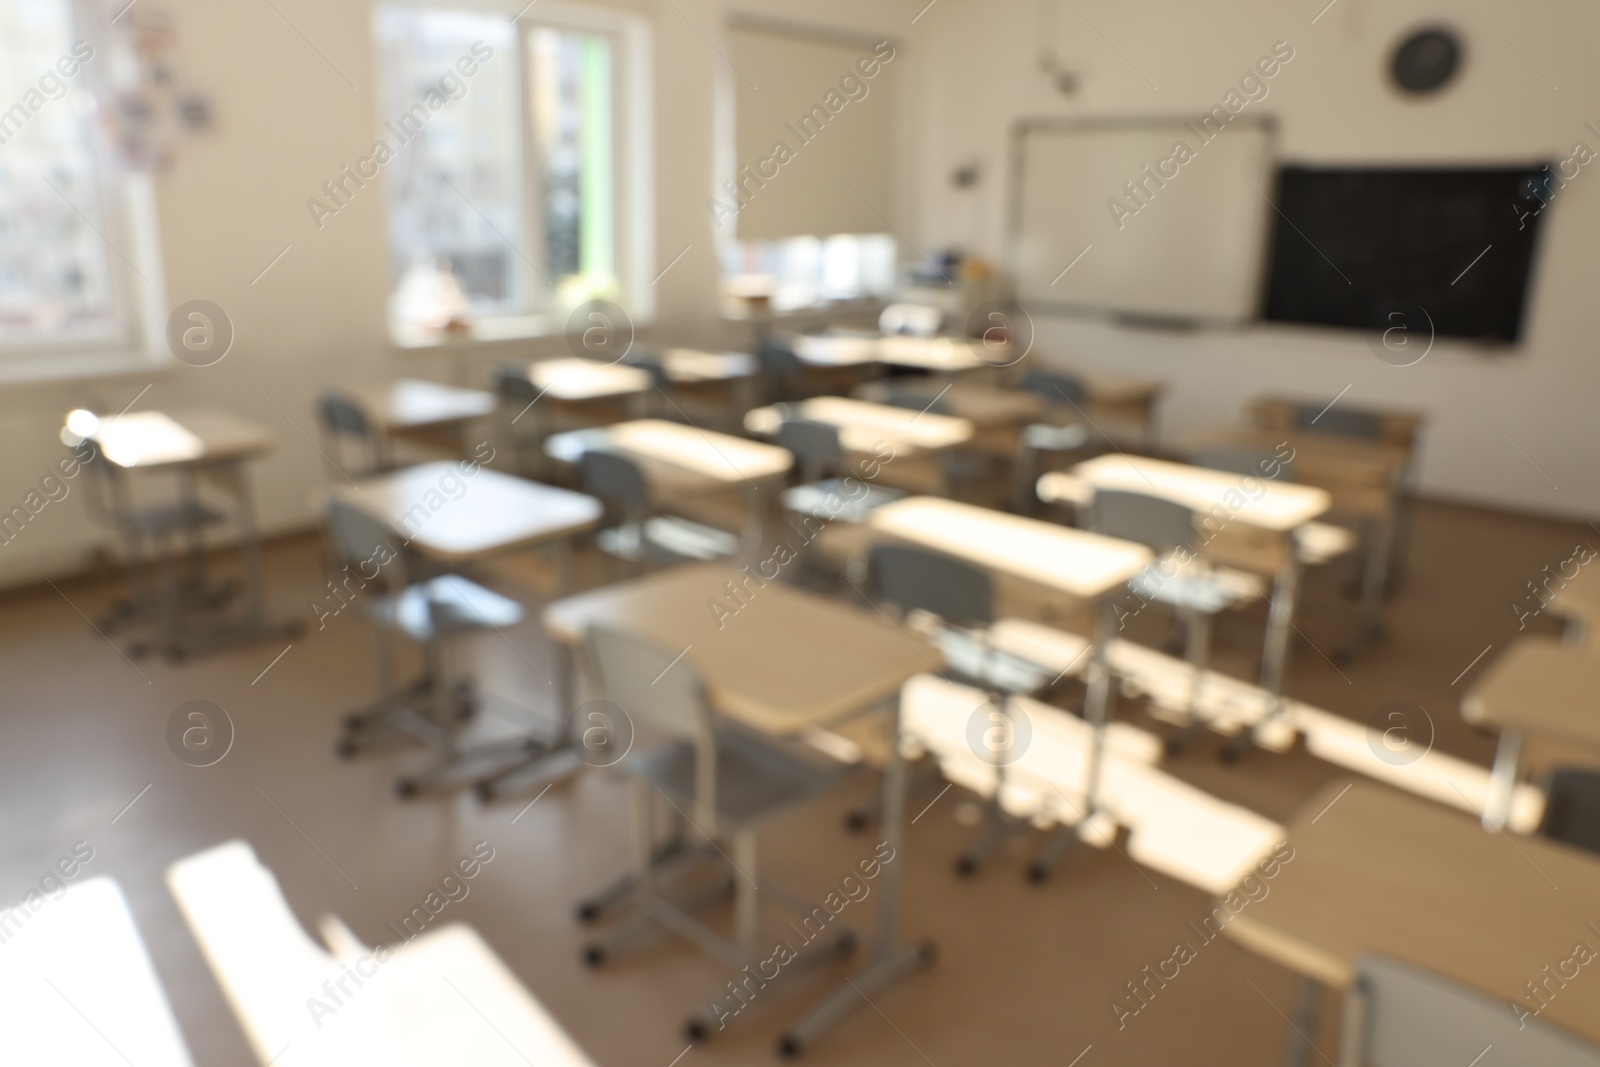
1426, 60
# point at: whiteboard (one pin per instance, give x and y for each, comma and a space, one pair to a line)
1189, 248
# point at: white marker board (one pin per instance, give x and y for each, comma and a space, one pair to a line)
1190, 249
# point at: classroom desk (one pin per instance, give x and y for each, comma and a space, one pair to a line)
837, 349
1218, 498
202, 444
863, 425
411, 405
495, 514
1539, 686
679, 460
79, 988
786, 662
687, 365
1376, 870
1084, 567
1577, 602
1401, 427
997, 414
575, 380
1363, 479
1122, 397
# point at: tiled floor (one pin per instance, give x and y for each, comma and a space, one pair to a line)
1024, 975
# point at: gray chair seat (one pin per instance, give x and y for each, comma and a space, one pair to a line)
445, 606
1203, 594
158, 520
971, 659
756, 780
1044, 437
813, 499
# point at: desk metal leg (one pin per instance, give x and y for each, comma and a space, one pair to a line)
1374, 579
1301, 1039
1096, 707
544, 760
1503, 780
890, 961
1274, 651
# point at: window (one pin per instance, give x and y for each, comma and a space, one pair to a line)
75, 283
807, 272
510, 183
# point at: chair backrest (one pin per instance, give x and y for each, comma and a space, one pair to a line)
654, 685
614, 478
663, 690
1152, 521
1241, 459
815, 445
915, 400
512, 383
914, 579
777, 358
359, 538
1055, 388
650, 361
1572, 808
342, 415
1339, 422
1403, 1016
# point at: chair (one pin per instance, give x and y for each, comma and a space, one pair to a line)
961, 598
1572, 807
152, 538
344, 420
1193, 588
819, 457
429, 612
725, 781
782, 373
643, 536
1243, 460
518, 395
1065, 436
1398, 1015
1339, 422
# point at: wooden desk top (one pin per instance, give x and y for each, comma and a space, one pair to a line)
575, 379
149, 439
1083, 565
690, 365
788, 659
1360, 475
455, 516
1400, 425
862, 425
836, 349
941, 354
1280, 505
984, 406
1541, 685
1580, 597
703, 454
1380, 871
411, 403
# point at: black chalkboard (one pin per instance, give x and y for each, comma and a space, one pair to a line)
1351, 245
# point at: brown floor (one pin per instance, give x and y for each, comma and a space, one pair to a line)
1024, 974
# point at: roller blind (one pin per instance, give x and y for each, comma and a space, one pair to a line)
812, 119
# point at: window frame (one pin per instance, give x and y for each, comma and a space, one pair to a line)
633, 152
130, 226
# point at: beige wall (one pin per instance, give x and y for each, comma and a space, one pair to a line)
1333, 104
286, 122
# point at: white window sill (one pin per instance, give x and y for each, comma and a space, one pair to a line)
74, 366
484, 331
